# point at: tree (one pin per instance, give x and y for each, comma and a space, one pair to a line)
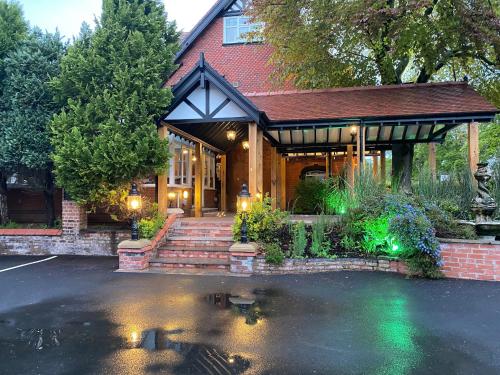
13, 29
322, 43
28, 108
111, 86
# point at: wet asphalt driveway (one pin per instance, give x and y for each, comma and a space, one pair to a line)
76, 316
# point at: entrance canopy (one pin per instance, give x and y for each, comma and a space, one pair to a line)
206, 106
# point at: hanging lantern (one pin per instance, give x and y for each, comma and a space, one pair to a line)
246, 145
231, 135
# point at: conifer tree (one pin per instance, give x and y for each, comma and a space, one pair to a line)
111, 87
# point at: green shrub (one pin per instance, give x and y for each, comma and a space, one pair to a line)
376, 236
274, 254
320, 244
151, 222
310, 196
299, 240
10, 225
445, 225
264, 224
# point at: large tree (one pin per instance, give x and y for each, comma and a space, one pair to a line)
13, 29
111, 86
329, 43
28, 107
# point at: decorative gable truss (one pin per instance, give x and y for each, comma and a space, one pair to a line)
237, 7
205, 96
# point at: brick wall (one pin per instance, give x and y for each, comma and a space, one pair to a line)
244, 64
475, 260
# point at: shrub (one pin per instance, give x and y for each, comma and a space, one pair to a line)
151, 222
299, 240
445, 225
376, 234
310, 196
264, 224
274, 254
320, 244
415, 240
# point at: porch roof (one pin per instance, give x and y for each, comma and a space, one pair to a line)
206, 105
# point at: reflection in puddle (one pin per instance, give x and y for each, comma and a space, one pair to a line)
40, 338
197, 358
247, 307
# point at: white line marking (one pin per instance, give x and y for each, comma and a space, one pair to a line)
28, 264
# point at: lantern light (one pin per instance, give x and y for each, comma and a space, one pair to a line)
354, 130
231, 135
244, 204
134, 204
185, 194
185, 151
193, 158
246, 145
171, 196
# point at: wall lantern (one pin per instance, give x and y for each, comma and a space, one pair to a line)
185, 194
246, 145
354, 130
134, 204
231, 135
244, 204
193, 158
185, 151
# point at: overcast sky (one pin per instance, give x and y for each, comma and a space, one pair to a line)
68, 15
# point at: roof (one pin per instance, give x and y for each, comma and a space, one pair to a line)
205, 21
405, 100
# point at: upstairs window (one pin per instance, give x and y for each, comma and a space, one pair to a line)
236, 29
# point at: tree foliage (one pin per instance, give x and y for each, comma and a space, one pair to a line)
111, 86
329, 43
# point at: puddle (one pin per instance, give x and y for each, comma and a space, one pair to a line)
39, 338
197, 358
245, 306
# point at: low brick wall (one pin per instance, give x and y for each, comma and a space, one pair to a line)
51, 243
298, 266
469, 259
134, 259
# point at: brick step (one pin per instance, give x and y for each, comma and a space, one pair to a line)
203, 248
193, 254
204, 224
202, 232
211, 263
190, 271
198, 242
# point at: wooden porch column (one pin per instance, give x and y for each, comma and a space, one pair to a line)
432, 161
328, 165
473, 141
350, 166
223, 183
375, 167
383, 173
255, 175
360, 147
162, 186
274, 177
198, 181
282, 184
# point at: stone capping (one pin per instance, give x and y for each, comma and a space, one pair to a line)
465, 241
30, 232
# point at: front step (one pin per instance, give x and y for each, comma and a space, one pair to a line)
204, 263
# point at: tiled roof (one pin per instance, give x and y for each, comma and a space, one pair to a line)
375, 101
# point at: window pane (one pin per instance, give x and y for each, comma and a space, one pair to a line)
231, 35
231, 21
178, 165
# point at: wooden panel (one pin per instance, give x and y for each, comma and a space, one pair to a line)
198, 181
473, 140
223, 184
255, 180
274, 177
350, 166
162, 180
383, 173
375, 167
282, 186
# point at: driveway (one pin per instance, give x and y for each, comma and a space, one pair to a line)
72, 315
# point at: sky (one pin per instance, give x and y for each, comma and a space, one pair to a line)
68, 15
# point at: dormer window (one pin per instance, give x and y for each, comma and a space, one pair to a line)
237, 28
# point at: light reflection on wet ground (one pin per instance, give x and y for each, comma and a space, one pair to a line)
341, 323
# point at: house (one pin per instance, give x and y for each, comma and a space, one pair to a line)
229, 124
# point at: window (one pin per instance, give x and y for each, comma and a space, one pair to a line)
209, 172
236, 29
180, 164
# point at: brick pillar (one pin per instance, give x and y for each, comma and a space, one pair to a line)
74, 218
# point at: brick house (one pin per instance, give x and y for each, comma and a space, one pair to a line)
229, 124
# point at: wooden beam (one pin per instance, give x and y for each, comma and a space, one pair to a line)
350, 166
473, 141
383, 173
255, 175
375, 168
360, 146
328, 165
274, 178
162, 187
198, 180
432, 160
223, 183
282, 184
